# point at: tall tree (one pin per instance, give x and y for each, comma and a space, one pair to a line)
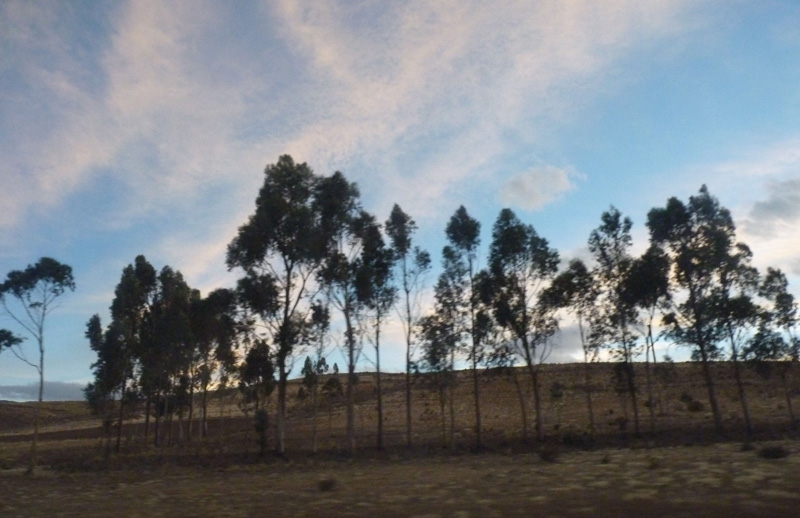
280, 249
413, 264
132, 346
36, 290
345, 225
610, 246
378, 294
576, 290
463, 234
646, 287
214, 330
698, 237
776, 346
736, 312
523, 265
315, 368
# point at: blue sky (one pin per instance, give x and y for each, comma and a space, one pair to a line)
142, 127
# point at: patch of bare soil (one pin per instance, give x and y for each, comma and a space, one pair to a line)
718, 480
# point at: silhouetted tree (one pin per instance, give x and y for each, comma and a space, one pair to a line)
315, 368
280, 249
36, 290
736, 312
575, 290
610, 246
346, 226
256, 383
646, 287
463, 233
523, 265
697, 237
413, 265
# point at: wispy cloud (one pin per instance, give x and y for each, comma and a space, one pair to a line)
534, 189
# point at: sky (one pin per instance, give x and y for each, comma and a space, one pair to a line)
139, 127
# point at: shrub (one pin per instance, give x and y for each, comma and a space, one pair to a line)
694, 406
548, 453
326, 484
773, 452
686, 398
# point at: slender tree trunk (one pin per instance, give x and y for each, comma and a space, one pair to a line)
204, 419
442, 414
409, 436
280, 424
37, 411
349, 388
788, 395
537, 399
740, 385
712, 394
649, 383
522, 406
121, 414
587, 388
147, 409
378, 386
476, 391
451, 390
314, 417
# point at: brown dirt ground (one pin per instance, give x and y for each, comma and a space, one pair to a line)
681, 470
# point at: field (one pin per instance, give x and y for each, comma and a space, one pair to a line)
683, 469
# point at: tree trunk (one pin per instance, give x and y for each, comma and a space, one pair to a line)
712, 394
587, 388
37, 411
476, 391
442, 402
121, 414
380, 393
649, 379
314, 417
522, 407
748, 425
349, 388
788, 394
280, 421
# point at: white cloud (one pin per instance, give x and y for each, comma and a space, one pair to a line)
534, 189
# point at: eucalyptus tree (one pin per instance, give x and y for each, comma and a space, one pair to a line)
256, 383
378, 294
412, 264
172, 348
133, 349
736, 312
215, 333
35, 292
463, 234
523, 265
280, 249
315, 368
647, 288
698, 237
575, 290
610, 245
439, 341
776, 346
347, 228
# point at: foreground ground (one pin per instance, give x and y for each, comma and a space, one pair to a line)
716, 480
677, 467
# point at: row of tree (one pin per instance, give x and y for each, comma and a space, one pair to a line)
317, 268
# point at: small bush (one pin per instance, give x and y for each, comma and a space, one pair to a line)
748, 446
549, 453
653, 463
686, 398
327, 484
773, 452
694, 406
606, 459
